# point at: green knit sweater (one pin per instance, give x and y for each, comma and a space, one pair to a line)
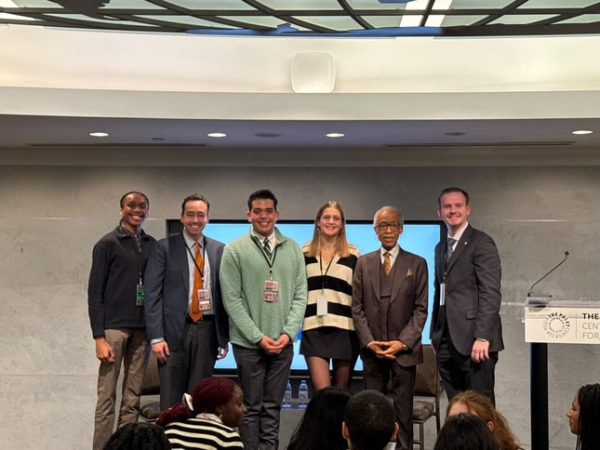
243, 272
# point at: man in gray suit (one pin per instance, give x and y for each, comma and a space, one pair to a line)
466, 330
389, 307
185, 319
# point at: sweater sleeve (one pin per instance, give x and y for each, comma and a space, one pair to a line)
298, 306
230, 276
96, 289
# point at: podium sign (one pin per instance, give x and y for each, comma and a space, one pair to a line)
563, 322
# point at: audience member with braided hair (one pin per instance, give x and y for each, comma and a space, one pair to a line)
465, 432
584, 417
481, 406
138, 436
216, 408
321, 425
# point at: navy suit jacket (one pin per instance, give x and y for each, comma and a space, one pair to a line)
167, 290
472, 278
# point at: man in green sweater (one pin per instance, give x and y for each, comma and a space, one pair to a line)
263, 283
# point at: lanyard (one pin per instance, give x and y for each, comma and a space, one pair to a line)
139, 252
271, 261
323, 275
194, 259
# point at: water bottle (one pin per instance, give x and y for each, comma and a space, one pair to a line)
287, 397
303, 395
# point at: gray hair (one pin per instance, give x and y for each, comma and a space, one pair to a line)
391, 209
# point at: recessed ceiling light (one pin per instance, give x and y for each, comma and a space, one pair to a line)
582, 132
217, 135
98, 134
335, 135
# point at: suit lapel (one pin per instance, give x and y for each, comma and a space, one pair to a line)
182, 255
398, 271
373, 268
460, 246
210, 254
440, 260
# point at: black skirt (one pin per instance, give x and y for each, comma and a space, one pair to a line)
330, 342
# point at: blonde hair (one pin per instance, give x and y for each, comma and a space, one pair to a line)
342, 247
482, 407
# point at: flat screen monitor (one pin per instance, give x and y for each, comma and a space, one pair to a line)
419, 237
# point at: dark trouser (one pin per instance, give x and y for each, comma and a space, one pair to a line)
264, 379
460, 373
193, 361
378, 373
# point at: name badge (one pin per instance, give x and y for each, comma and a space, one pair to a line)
442, 294
321, 305
140, 295
271, 291
204, 299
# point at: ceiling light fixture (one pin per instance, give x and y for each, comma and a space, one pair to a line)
335, 135
581, 132
217, 135
98, 134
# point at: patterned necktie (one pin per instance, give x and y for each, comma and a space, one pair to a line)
267, 247
387, 262
450, 248
195, 311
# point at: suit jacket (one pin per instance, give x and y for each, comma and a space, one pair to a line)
472, 278
167, 290
407, 311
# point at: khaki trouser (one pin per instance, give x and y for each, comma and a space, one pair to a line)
129, 346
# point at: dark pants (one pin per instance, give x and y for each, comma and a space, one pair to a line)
460, 373
398, 382
264, 379
193, 361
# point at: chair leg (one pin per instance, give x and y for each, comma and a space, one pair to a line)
422, 436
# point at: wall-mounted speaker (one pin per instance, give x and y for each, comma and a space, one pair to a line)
313, 73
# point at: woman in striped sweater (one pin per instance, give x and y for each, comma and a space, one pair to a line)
217, 407
328, 330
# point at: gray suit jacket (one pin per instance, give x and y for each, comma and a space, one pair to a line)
167, 288
407, 311
472, 278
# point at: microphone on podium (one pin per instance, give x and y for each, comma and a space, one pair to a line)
541, 299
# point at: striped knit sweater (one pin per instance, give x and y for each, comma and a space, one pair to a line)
337, 285
204, 434
243, 272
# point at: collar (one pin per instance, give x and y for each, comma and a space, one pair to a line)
459, 233
190, 242
394, 252
272, 237
123, 233
209, 416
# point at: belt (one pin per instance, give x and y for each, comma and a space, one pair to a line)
205, 318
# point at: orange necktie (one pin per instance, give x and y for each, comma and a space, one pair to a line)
195, 311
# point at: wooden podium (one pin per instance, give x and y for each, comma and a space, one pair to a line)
549, 321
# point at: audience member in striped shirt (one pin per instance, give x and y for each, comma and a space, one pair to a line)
209, 420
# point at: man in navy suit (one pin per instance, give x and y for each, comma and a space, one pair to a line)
466, 330
185, 319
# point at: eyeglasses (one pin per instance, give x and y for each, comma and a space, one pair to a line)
385, 226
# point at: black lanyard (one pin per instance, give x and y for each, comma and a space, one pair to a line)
270, 262
201, 271
137, 238
323, 275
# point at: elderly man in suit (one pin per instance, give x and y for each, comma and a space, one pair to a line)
185, 319
389, 307
466, 330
